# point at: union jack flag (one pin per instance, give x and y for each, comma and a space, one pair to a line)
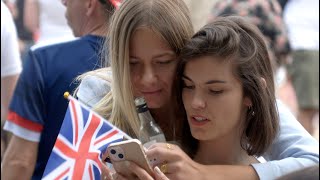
84, 137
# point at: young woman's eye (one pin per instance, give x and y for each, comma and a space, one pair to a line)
165, 62
216, 92
133, 63
187, 86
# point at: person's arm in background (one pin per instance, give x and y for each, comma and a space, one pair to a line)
25, 121
11, 4
20, 159
8, 83
31, 15
10, 59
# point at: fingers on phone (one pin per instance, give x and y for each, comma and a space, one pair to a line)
138, 171
106, 172
117, 176
160, 175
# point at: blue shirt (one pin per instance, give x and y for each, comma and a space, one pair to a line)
293, 149
38, 106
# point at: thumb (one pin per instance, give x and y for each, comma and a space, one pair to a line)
159, 175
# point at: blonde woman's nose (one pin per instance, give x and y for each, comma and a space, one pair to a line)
149, 76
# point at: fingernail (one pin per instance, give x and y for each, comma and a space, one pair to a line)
158, 170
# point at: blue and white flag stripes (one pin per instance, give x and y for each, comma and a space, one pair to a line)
84, 137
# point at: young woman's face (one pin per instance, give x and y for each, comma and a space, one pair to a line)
152, 65
213, 99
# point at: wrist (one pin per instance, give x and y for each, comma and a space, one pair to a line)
204, 172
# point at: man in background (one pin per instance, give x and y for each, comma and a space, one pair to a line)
38, 106
302, 20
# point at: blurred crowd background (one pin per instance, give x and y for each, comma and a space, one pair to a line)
42, 22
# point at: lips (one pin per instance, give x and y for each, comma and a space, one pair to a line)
150, 92
198, 120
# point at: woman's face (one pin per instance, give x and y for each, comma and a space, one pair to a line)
213, 99
152, 65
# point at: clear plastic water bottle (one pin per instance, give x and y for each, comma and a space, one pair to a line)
150, 132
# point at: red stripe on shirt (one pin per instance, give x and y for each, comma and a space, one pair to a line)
23, 122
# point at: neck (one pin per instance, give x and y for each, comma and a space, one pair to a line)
225, 150
98, 30
94, 26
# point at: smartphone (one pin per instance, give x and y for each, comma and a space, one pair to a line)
130, 150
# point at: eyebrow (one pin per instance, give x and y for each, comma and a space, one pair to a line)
165, 54
169, 53
208, 82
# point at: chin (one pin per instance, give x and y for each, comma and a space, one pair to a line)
153, 105
200, 135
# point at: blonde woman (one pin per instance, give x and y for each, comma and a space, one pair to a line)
146, 38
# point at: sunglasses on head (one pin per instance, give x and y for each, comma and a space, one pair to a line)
115, 3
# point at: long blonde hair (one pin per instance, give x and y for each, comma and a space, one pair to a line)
170, 19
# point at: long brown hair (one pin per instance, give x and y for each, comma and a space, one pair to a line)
235, 38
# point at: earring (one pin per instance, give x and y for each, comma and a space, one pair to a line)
252, 113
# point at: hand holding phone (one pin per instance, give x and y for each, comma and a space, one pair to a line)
128, 150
